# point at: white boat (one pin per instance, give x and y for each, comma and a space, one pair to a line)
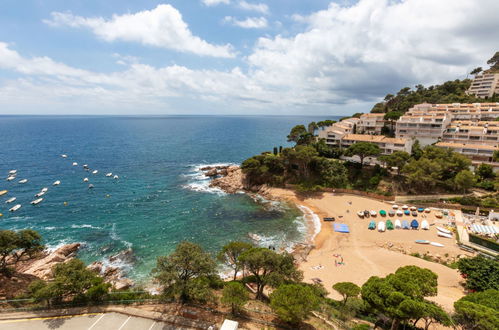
424, 225
10, 200
95, 172
10, 178
399, 212
85, 180
405, 207
37, 201
3, 192
395, 206
381, 226
398, 224
422, 241
15, 208
13, 172
75, 164
427, 210
90, 186
373, 213
64, 156
360, 214
44, 190
255, 237
443, 230
23, 181
56, 183
439, 233
116, 177
413, 208
109, 174
85, 166
436, 244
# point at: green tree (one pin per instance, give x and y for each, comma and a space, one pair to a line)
416, 151
184, 265
400, 296
494, 62
485, 171
293, 302
234, 295
347, 290
422, 174
300, 135
392, 117
495, 156
363, 150
397, 159
331, 172
480, 273
478, 310
312, 127
301, 157
464, 180
14, 246
269, 268
325, 123
476, 71
230, 253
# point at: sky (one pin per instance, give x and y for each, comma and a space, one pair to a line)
233, 57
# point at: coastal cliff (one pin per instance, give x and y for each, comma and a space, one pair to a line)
231, 180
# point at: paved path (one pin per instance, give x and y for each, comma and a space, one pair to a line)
90, 321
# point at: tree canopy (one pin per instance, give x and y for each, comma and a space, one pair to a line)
15, 246
230, 253
478, 310
347, 290
363, 150
480, 273
293, 302
234, 295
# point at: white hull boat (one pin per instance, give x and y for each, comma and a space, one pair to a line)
23, 181
44, 189
95, 172
373, 213
424, 225
422, 241
40, 194
398, 224
64, 156
85, 180
13, 172
381, 226
360, 214
10, 178
405, 207
443, 230
436, 244
37, 201
56, 183
444, 235
15, 208
75, 164
116, 177
10, 200
109, 174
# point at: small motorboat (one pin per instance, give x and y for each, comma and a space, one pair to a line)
405, 224
439, 233
413, 208
381, 226
13, 172
414, 213
116, 177
95, 172
405, 207
40, 194
400, 212
56, 183
10, 178
75, 164
44, 190
109, 174
3, 192
329, 219
23, 181
439, 215
372, 225
443, 230
436, 244
389, 224
424, 225
407, 212
422, 241
414, 224
391, 213
85, 166
85, 180
15, 208
90, 186
10, 200
427, 210
395, 206
398, 225
64, 156
37, 201
420, 210
366, 213
373, 213
360, 214
255, 237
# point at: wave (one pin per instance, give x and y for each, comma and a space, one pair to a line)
115, 237
85, 226
198, 181
313, 219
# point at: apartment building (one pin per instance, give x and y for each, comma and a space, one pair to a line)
427, 128
387, 145
472, 132
371, 123
484, 85
478, 153
335, 132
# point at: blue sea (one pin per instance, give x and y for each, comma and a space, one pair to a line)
160, 198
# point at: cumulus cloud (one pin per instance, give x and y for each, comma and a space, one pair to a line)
258, 7
215, 2
344, 55
162, 26
248, 23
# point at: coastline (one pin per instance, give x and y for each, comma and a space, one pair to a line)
337, 257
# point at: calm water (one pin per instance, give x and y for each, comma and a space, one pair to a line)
160, 197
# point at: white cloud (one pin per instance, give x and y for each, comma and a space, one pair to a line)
351, 55
162, 26
215, 2
258, 7
248, 23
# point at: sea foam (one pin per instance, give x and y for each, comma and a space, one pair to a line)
198, 181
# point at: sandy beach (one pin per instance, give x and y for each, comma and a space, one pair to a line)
362, 253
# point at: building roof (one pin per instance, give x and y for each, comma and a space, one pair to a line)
466, 145
374, 138
372, 115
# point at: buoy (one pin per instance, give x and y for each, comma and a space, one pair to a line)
65, 203
1, 214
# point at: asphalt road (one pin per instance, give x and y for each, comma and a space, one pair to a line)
97, 321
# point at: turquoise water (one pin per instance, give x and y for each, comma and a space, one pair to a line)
160, 197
